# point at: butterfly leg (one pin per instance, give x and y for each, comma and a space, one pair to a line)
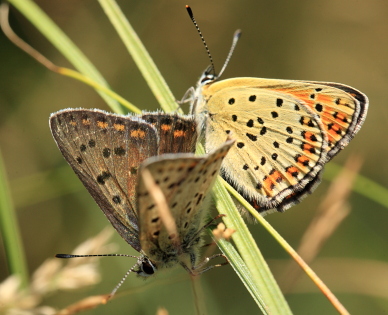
199, 268
204, 227
188, 97
209, 244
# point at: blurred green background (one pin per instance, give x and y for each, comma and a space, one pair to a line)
336, 40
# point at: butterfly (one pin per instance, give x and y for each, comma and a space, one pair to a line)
110, 154
285, 131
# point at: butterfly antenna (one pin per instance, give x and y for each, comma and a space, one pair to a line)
236, 37
122, 281
190, 12
102, 255
105, 255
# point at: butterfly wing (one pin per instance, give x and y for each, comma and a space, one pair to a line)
342, 110
178, 133
184, 180
280, 142
105, 151
286, 131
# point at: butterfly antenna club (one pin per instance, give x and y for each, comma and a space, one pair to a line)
236, 37
190, 12
101, 255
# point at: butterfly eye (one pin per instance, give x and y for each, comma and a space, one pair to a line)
146, 269
207, 78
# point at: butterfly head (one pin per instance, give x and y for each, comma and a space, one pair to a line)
145, 267
207, 77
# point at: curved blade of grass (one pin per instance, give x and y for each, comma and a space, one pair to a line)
4, 9
313, 276
55, 35
10, 232
254, 271
140, 55
243, 272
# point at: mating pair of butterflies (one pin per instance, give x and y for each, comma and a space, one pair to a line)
283, 133
111, 153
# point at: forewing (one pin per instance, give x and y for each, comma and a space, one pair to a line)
105, 151
284, 164
341, 108
280, 142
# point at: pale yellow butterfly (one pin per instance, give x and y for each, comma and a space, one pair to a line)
285, 131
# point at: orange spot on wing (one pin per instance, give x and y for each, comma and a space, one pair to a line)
165, 127
268, 186
335, 128
138, 134
179, 133
302, 159
277, 176
340, 117
102, 124
308, 135
305, 120
86, 122
291, 174
119, 127
272, 180
292, 169
307, 147
304, 95
332, 132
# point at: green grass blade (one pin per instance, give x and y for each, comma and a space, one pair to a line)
255, 275
140, 55
10, 232
324, 289
259, 272
242, 271
55, 35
